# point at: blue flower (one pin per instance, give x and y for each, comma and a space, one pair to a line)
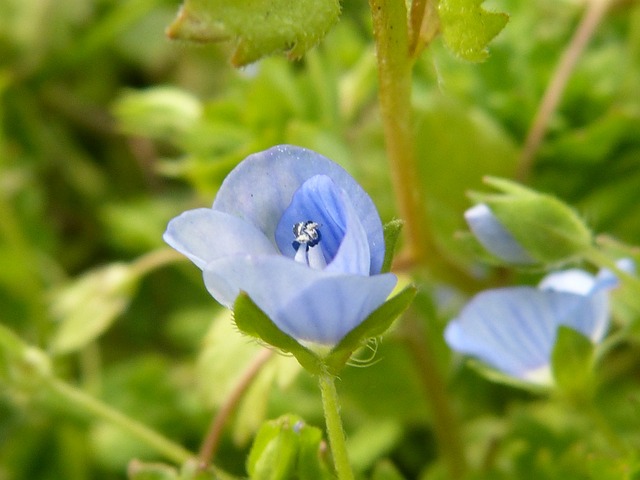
298, 234
514, 329
494, 237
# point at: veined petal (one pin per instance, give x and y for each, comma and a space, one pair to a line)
261, 187
310, 305
344, 240
494, 237
513, 329
204, 235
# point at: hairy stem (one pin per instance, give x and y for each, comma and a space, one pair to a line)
335, 431
593, 14
212, 439
390, 30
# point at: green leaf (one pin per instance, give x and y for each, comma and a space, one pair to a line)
385, 470
259, 27
254, 322
86, 308
467, 28
374, 325
391, 233
572, 361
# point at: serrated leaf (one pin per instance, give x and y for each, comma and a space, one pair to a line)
572, 361
392, 231
374, 325
251, 320
259, 27
467, 28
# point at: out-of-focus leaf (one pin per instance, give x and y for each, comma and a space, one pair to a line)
88, 306
458, 147
258, 28
572, 361
467, 28
385, 470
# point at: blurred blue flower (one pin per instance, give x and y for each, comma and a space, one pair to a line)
298, 234
514, 329
494, 237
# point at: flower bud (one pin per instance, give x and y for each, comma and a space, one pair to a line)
525, 227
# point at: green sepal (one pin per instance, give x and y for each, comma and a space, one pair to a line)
392, 231
572, 361
286, 448
467, 28
374, 325
258, 28
251, 320
545, 227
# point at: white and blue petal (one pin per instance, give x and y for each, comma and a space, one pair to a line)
261, 188
307, 304
494, 237
204, 235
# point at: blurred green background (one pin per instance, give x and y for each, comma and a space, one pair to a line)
108, 130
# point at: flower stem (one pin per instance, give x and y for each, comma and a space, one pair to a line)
83, 402
335, 431
212, 439
391, 34
593, 14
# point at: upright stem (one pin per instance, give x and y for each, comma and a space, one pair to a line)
445, 424
390, 30
335, 431
594, 13
86, 403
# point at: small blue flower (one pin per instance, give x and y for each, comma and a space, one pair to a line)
514, 329
494, 237
298, 234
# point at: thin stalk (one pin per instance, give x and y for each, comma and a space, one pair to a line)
156, 259
391, 35
83, 402
445, 425
335, 431
594, 13
212, 439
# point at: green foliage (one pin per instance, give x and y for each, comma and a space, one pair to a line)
287, 448
257, 28
391, 234
572, 361
467, 28
107, 130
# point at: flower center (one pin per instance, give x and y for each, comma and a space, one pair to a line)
307, 233
307, 244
